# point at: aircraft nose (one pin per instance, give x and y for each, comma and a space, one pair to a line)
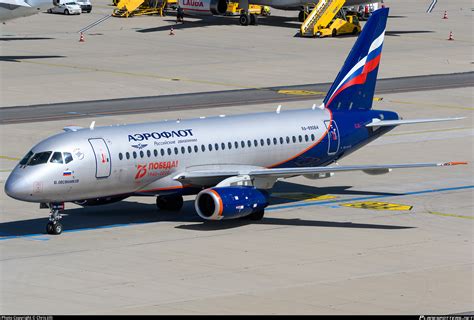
16, 187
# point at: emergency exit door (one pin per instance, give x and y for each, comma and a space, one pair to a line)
333, 137
102, 157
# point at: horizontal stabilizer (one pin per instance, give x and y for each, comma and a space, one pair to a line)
389, 123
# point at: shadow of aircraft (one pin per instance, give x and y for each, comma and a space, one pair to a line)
23, 38
127, 213
273, 21
17, 58
398, 33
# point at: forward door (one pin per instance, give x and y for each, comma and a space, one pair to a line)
102, 157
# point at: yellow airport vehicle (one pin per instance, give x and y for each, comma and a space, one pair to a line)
233, 9
340, 26
321, 16
129, 8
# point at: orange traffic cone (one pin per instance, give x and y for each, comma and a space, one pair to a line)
445, 15
450, 35
81, 39
171, 32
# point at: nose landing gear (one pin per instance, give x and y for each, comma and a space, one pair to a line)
54, 226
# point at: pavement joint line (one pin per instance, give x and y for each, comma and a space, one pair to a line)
44, 237
450, 215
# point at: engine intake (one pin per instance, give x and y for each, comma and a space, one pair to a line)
230, 202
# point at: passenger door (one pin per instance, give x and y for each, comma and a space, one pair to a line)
102, 157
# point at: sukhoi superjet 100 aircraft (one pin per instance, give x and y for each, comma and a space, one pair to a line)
230, 162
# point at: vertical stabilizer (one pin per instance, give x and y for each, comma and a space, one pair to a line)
354, 86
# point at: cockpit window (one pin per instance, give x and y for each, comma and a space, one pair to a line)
39, 158
57, 158
67, 157
26, 158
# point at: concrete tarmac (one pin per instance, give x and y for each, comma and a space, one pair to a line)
317, 251
400, 243
74, 110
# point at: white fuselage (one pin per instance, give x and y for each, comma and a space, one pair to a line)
144, 157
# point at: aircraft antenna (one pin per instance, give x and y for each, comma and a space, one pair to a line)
92, 125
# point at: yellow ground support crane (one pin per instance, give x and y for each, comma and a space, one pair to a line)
128, 8
323, 16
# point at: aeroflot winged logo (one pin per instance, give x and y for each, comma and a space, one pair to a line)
160, 135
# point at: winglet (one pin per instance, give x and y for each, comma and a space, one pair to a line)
454, 163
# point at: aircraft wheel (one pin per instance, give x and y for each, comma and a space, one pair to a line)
256, 215
170, 202
244, 19
253, 19
54, 228
334, 32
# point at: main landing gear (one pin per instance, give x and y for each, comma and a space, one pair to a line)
246, 19
54, 226
173, 202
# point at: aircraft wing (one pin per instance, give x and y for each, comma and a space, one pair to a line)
194, 177
385, 123
17, 3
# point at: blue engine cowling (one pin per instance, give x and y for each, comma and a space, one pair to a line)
230, 202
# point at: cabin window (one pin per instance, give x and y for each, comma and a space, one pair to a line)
281, 140
68, 157
306, 138
269, 142
190, 150
142, 154
57, 158
169, 151
229, 145
262, 142
217, 146
210, 147
196, 149
242, 143
255, 143
249, 143
236, 144
134, 155
148, 153
176, 150
223, 146
275, 141
203, 148
162, 152
127, 155
312, 137
300, 138
120, 156
294, 139
287, 139
155, 153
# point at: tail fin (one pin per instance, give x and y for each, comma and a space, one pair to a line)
354, 86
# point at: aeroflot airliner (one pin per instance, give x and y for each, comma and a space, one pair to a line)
229, 162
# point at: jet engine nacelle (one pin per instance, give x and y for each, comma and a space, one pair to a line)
230, 202
204, 7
